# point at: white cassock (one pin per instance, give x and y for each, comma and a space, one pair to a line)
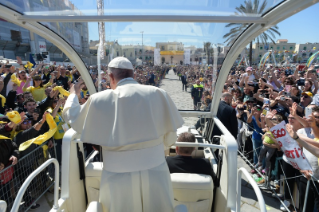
133, 124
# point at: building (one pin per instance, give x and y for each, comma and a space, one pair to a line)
278, 48
304, 51
17, 41
171, 52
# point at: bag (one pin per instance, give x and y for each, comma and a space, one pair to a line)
7, 175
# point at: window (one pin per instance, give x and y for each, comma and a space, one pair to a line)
305, 48
131, 54
283, 47
260, 55
163, 48
291, 48
124, 54
261, 48
271, 47
117, 53
278, 47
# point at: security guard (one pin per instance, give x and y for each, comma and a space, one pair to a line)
197, 92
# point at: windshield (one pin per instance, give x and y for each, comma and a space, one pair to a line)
186, 53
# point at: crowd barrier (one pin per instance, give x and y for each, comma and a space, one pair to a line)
13, 176
278, 165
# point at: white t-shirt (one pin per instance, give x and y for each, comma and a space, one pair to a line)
313, 160
251, 77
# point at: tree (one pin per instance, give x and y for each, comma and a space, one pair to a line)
250, 7
209, 50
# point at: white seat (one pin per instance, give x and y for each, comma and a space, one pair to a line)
3, 205
93, 172
196, 191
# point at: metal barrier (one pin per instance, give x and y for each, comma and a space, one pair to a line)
12, 178
26, 183
259, 195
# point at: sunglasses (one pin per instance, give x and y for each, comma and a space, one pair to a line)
37, 79
305, 96
274, 119
26, 122
291, 118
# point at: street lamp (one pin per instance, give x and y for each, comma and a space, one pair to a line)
142, 45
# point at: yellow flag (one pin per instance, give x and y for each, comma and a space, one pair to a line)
14, 116
15, 80
41, 138
61, 90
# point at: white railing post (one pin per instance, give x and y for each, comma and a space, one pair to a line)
26, 183
252, 182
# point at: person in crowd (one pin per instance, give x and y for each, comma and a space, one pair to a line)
38, 90
229, 121
9, 155
184, 82
62, 79
183, 162
196, 93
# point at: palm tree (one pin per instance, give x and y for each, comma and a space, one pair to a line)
250, 7
208, 49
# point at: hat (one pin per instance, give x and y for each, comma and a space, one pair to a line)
121, 62
249, 69
22, 71
308, 93
258, 107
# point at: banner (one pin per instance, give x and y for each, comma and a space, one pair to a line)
292, 152
157, 57
187, 56
43, 48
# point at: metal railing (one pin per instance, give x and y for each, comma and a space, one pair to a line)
259, 195
13, 176
26, 183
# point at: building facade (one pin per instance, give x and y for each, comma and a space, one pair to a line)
16, 41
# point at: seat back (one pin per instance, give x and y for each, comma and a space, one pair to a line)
193, 190
93, 173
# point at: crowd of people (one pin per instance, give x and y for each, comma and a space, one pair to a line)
33, 92
258, 99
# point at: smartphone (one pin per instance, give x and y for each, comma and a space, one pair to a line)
265, 112
308, 112
301, 82
282, 98
7, 66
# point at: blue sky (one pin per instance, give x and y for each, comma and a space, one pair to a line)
299, 28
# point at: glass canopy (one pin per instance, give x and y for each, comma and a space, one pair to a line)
206, 43
136, 7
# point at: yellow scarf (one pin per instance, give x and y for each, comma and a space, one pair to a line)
61, 90
3, 137
3, 100
41, 138
15, 80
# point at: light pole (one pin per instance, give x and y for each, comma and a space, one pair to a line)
142, 45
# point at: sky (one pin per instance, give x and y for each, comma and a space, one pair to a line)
300, 28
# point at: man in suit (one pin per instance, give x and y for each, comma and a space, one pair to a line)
227, 115
184, 82
183, 161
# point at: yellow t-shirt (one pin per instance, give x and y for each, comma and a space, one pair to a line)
38, 93
268, 140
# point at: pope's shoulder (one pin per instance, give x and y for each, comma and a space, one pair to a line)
136, 87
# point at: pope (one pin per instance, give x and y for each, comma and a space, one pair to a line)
133, 124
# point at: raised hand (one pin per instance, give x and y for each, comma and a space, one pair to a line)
291, 131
